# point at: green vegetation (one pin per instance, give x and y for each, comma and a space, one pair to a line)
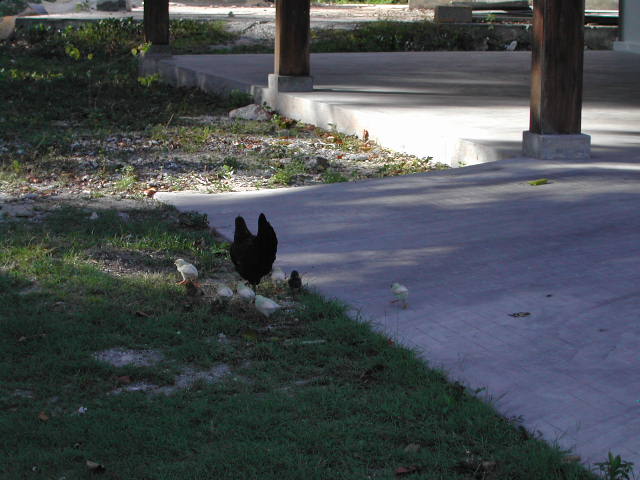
84, 80
315, 395
390, 36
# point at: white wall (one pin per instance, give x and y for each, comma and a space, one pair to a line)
630, 28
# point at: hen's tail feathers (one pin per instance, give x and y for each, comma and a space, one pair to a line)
241, 232
266, 233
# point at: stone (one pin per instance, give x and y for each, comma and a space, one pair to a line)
448, 14
251, 112
317, 164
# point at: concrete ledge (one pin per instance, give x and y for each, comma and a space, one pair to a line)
556, 147
449, 14
632, 47
148, 61
285, 83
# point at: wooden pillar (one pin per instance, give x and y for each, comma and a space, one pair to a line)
156, 22
292, 37
292, 66
556, 80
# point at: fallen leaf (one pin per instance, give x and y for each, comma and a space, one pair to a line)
22, 339
43, 416
520, 314
95, 467
400, 471
540, 181
150, 192
140, 313
412, 448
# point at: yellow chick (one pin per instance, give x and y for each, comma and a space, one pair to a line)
245, 292
224, 291
401, 293
265, 305
189, 272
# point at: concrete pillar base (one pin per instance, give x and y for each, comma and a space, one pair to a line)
286, 83
556, 147
148, 61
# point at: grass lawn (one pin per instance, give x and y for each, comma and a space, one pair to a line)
217, 390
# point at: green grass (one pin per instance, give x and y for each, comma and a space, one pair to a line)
345, 408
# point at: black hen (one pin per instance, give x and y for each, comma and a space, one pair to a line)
253, 255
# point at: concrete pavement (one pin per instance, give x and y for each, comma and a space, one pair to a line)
461, 108
475, 245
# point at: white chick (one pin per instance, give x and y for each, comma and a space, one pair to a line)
224, 291
265, 305
245, 292
189, 272
401, 293
277, 275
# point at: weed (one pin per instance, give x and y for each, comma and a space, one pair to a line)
127, 179
412, 165
231, 162
224, 172
614, 468
331, 176
148, 80
287, 174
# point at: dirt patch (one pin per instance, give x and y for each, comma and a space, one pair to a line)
122, 357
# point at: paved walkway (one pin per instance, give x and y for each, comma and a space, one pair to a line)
475, 245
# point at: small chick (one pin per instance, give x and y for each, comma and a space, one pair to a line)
245, 292
295, 282
189, 272
277, 275
224, 291
265, 305
401, 293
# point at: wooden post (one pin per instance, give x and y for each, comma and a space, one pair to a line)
291, 69
156, 22
556, 80
292, 37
